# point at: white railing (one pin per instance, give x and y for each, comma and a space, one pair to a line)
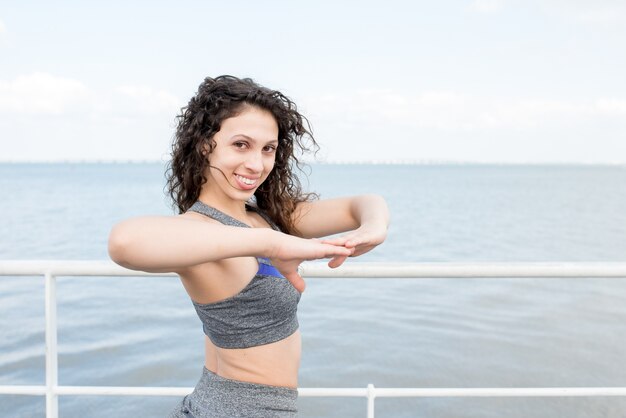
52, 269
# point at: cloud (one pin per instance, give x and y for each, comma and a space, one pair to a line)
64, 118
486, 6
590, 12
42, 93
611, 106
4, 35
581, 11
451, 111
452, 125
144, 99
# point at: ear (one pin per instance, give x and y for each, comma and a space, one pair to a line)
205, 149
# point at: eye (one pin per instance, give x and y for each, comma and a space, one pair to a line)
269, 148
240, 144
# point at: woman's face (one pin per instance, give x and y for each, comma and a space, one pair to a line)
243, 155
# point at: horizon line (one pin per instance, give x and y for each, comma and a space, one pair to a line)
337, 162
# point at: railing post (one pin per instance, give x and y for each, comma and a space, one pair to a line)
371, 394
52, 381
52, 390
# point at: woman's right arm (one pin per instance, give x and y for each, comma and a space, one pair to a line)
159, 244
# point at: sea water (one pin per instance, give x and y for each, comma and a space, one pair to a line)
424, 333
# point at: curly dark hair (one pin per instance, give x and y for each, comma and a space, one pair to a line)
223, 97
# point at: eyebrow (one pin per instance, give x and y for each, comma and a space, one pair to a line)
272, 141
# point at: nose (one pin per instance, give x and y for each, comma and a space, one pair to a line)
254, 162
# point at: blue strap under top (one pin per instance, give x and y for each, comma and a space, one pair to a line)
263, 312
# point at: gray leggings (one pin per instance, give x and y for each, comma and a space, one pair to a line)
218, 397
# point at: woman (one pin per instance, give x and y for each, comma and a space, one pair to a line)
243, 215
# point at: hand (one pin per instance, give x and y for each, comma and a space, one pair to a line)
290, 251
361, 240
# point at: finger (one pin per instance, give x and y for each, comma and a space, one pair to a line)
356, 241
296, 281
362, 250
334, 250
335, 241
337, 261
352, 243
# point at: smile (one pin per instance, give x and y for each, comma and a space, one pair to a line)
245, 180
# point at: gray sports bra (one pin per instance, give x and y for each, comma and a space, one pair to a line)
265, 311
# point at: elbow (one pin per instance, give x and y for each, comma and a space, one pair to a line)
373, 208
377, 198
376, 201
118, 246
372, 199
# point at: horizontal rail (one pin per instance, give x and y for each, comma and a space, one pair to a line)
348, 270
332, 392
51, 269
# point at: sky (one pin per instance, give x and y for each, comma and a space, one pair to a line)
486, 81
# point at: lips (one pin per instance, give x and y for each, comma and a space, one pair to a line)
246, 183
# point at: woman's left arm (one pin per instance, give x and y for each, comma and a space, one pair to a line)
366, 217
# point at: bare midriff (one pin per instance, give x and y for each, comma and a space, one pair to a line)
274, 364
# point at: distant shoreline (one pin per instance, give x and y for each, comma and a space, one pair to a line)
339, 162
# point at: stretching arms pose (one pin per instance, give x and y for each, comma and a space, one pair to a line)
243, 228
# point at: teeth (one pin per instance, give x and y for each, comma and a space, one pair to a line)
245, 180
